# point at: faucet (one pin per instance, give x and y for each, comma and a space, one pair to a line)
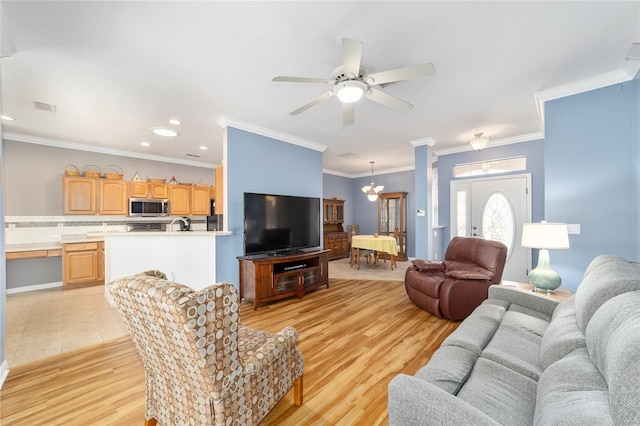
170, 228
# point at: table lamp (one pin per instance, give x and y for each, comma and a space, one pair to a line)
545, 236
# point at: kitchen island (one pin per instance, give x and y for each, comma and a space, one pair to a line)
188, 257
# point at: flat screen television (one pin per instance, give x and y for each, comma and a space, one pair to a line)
280, 224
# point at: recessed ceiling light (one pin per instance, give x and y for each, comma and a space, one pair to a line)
175, 122
204, 148
145, 144
7, 118
165, 132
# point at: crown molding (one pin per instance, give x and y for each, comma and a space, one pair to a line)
367, 174
493, 143
623, 75
423, 141
17, 137
225, 122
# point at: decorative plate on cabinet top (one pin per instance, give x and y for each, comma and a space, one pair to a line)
154, 180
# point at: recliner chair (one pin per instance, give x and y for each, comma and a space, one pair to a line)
454, 287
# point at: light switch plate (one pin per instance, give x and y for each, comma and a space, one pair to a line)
573, 228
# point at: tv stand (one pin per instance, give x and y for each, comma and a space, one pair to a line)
269, 277
288, 252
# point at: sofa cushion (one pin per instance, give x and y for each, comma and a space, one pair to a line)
448, 368
478, 329
562, 336
613, 342
426, 265
426, 284
469, 275
516, 344
603, 282
572, 392
502, 393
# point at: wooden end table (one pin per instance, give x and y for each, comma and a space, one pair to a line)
558, 294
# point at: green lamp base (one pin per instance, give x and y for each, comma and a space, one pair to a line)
544, 278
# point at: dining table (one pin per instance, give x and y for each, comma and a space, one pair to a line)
376, 243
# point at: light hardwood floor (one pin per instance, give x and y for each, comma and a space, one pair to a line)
355, 337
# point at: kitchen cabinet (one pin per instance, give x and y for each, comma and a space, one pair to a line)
200, 200
219, 189
91, 196
265, 278
138, 189
83, 263
179, 199
113, 197
80, 195
392, 220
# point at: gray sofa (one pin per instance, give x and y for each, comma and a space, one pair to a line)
524, 359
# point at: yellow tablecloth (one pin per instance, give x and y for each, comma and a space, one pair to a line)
381, 243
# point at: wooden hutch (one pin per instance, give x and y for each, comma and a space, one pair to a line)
392, 220
335, 238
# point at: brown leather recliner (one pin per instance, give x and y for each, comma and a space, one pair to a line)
454, 287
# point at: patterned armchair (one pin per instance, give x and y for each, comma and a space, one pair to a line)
201, 366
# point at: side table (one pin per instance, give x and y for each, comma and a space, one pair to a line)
558, 294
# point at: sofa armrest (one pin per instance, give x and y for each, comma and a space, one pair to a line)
528, 299
413, 401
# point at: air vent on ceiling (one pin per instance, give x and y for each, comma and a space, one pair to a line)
43, 106
192, 155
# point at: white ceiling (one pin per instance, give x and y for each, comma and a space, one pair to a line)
116, 69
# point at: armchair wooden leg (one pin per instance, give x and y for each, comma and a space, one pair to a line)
297, 392
150, 422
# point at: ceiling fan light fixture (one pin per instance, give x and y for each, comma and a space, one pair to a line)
350, 91
479, 142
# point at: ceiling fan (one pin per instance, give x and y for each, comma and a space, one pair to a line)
351, 82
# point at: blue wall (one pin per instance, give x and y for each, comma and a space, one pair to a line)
534, 151
366, 212
591, 175
265, 165
338, 186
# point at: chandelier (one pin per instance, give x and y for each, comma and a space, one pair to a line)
479, 142
372, 191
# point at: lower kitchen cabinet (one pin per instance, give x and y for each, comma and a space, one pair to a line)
83, 263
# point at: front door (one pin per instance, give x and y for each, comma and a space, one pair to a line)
495, 209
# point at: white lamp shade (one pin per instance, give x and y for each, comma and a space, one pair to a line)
550, 236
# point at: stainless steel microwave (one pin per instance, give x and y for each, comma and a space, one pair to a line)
148, 207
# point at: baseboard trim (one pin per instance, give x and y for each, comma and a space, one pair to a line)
34, 287
4, 372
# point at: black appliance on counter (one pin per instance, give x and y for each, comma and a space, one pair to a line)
214, 222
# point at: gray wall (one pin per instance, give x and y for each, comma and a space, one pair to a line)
34, 174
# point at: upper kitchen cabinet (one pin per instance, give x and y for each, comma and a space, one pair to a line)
94, 196
113, 197
200, 200
179, 199
80, 195
139, 189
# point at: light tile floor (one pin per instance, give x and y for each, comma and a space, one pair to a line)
47, 322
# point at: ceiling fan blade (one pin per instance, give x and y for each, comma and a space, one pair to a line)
302, 80
401, 74
351, 56
348, 113
389, 101
316, 101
